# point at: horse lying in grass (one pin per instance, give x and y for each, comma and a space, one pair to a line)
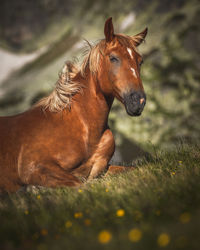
65, 137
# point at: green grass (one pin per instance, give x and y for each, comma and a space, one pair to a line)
159, 197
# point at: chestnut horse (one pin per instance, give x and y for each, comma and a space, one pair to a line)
65, 139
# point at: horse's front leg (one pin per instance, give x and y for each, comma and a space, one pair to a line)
102, 155
98, 163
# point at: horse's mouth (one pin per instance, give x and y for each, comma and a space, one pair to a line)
133, 112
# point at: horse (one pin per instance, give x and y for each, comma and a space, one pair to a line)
64, 139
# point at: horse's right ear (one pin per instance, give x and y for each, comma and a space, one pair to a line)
139, 38
109, 30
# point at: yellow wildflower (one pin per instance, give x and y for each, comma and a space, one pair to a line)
104, 237
185, 217
87, 222
163, 240
44, 232
68, 224
120, 213
180, 162
135, 235
26, 212
80, 190
78, 215
106, 189
173, 173
38, 197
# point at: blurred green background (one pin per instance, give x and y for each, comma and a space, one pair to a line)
37, 37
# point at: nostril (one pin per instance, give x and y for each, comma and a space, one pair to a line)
141, 100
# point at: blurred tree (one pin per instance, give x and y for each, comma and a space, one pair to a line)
22, 20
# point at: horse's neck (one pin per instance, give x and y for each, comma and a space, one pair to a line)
93, 99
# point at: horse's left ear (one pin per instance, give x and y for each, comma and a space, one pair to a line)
109, 30
139, 38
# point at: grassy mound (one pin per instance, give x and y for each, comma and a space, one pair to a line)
153, 207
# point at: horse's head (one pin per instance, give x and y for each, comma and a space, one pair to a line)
120, 69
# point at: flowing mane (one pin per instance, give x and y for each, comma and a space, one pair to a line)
66, 86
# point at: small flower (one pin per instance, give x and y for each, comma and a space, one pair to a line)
120, 213
185, 217
38, 197
78, 215
106, 189
26, 212
80, 190
87, 222
68, 224
135, 235
180, 162
104, 237
163, 240
44, 232
173, 173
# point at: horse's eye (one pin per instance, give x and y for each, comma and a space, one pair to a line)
114, 59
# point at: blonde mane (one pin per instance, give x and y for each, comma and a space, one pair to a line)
67, 85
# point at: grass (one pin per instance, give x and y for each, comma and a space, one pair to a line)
156, 206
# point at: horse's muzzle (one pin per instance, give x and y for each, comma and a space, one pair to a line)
134, 102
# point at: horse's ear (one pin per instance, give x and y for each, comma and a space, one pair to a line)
109, 30
139, 38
